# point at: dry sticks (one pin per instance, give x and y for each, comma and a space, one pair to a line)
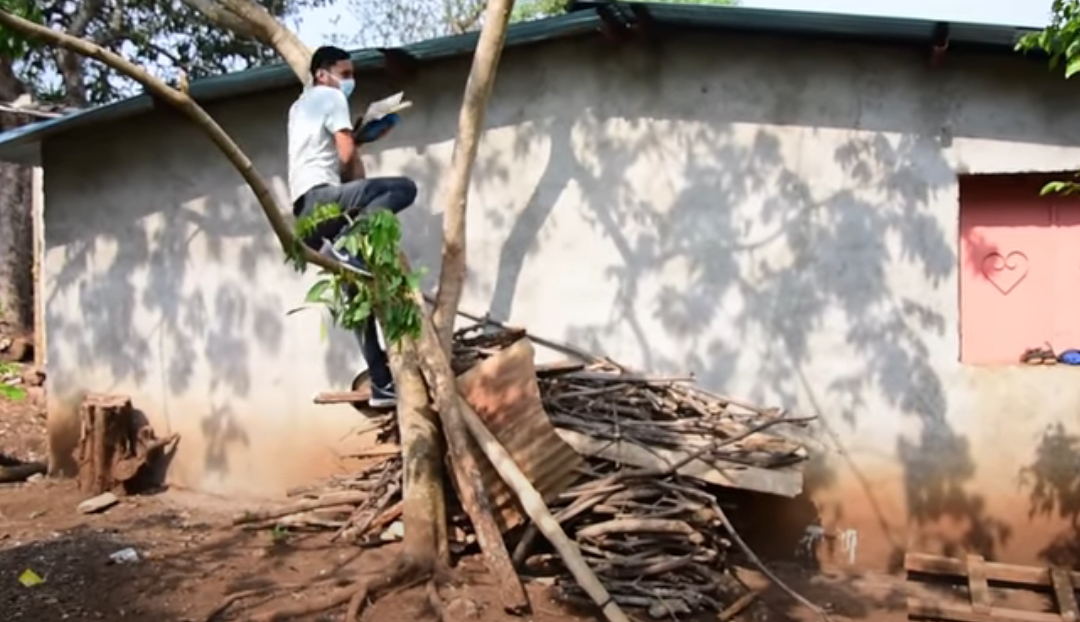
651, 542
356, 506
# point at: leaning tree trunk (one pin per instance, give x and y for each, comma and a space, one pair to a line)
426, 546
470, 122
424, 508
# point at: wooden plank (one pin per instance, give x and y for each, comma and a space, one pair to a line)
978, 586
995, 572
730, 474
344, 397
955, 612
1064, 593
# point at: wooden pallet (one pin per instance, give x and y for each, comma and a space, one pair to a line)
980, 574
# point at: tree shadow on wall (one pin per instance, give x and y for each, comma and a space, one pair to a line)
1053, 481
128, 308
796, 256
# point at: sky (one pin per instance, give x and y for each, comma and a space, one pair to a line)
1010, 12
323, 25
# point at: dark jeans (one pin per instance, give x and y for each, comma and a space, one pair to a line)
356, 198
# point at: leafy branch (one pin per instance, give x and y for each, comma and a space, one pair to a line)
351, 297
1061, 41
12, 45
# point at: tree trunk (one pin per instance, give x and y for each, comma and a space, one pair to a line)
436, 340
106, 438
465, 457
16, 247
16, 224
426, 545
470, 122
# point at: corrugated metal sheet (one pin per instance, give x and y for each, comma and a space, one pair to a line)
20, 145
503, 391
809, 23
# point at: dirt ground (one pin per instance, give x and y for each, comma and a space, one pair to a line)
189, 560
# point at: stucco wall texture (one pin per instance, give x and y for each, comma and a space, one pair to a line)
778, 217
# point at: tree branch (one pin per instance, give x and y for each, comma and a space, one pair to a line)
109, 35
69, 63
222, 17
470, 122
461, 25
249, 19
190, 108
87, 11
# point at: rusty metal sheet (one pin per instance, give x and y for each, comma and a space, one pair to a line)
503, 391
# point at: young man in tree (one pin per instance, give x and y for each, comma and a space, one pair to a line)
325, 167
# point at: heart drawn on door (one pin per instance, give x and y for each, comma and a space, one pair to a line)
1005, 271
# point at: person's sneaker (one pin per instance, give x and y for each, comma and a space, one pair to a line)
356, 263
383, 397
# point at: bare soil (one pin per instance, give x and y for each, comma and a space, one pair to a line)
22, 428
190, 559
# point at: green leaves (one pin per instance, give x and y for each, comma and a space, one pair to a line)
9, 392
12, 44
1072, 67
352, 299
318, 291
12, 394
164, 37
1060, 39
1060, 187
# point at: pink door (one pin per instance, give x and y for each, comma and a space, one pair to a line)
1065, 301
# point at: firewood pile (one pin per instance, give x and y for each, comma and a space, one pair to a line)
655, 543
641, 506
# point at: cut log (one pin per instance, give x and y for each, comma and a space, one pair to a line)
106, 438
114, 449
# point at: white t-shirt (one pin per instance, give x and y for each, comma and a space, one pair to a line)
314, 117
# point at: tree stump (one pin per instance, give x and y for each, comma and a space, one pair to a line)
107, 437
114, 448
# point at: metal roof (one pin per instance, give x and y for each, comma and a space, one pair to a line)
22, 144
813, 24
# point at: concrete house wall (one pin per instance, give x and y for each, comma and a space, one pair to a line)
779, 217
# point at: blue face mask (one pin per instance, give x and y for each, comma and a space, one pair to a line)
347, 86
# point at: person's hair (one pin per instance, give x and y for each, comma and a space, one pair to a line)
326, 57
